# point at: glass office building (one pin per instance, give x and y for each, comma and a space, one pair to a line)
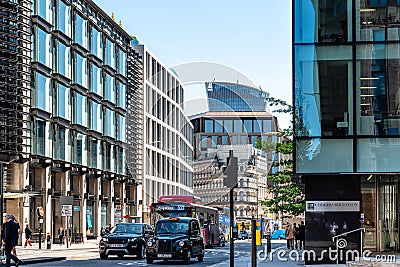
346, 98
237, 117
70, 84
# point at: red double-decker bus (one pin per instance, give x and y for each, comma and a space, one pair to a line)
183, 206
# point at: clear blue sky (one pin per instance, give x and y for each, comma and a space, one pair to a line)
252, 36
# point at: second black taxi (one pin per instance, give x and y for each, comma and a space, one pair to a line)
176, 239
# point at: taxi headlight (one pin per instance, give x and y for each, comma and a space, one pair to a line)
149, 243
131, 239
181, 243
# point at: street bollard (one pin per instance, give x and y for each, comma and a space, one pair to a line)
48, 239
268, 243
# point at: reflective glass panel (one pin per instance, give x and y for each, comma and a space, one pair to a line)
81, 35
40, 137
110, 54
43, 9
81, 70
218, 126
378, 155
42, 97
378, 82
42, 47
322, 21
96, 43
63, 60
80, 110
96, 80
109, 88
228, 125
121, 128
122, 63
122, 95
237, 126
322, 100
63, 102
209, 126
317, 155
109, 127
64, 18
96, 117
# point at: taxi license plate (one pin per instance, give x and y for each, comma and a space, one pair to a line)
116, 245
165, 256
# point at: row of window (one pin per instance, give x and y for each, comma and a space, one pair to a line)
73, 106
326, 21
60, 143
234, 126
76, 26
167, 168
85, 73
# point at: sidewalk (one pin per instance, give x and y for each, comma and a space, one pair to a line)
32, 255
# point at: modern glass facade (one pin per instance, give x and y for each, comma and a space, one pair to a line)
238, 115
346, 64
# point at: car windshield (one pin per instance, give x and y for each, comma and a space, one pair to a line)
128, 229
172, 227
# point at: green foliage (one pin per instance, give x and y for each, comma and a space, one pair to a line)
288, 195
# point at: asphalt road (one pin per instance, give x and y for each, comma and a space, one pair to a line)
216, 257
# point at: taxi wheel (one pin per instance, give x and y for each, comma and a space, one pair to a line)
149, 261
187, 260
103, 256
201, 257
142, 252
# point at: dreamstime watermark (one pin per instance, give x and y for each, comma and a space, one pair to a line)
339, 254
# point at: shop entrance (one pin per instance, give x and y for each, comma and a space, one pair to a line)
380, 204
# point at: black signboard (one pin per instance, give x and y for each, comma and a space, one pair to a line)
78, 237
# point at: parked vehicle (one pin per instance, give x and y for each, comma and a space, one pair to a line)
176, 239
243, 234
126, 239
279, 234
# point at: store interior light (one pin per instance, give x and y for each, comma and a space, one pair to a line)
366, 95
367, 9
366, 104
368, 87
369, 78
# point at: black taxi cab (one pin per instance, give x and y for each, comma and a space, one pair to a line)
176, 239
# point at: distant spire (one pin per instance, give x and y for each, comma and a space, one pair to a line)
120, 23
113, 16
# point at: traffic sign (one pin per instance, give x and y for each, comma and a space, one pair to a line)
66, 210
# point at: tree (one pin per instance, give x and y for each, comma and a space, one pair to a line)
288, 196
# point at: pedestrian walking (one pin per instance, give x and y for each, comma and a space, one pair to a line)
289, 237
10, 240
296, 236
14, 251
61, 234
28, 236
302, 234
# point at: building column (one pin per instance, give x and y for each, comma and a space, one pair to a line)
25, 219
97, 217
48, 220
83, 206
112, 202
139, 205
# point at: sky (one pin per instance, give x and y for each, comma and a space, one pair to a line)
253, 37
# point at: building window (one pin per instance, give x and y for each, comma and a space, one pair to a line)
109, 88
81, 35
40, 137
63, 60
208, 126
80, 150
267, 126
218, 126
80, 110
121, 160
42, 96
96, 45
110, 54
121, 95
122, 62
42, 47
63, 102
109, 123
228, 126
60, 143
237, 126
248, 126
81, 70
244, 139
96, 117
43, 9
63, 21
256, 126
121, 128
96, 80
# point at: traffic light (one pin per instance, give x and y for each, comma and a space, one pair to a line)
40, 212
231, 171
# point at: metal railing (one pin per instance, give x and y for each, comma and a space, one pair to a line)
362, 230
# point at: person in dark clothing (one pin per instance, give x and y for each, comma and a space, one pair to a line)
28, 235
10, 240
302, 235
61, 234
